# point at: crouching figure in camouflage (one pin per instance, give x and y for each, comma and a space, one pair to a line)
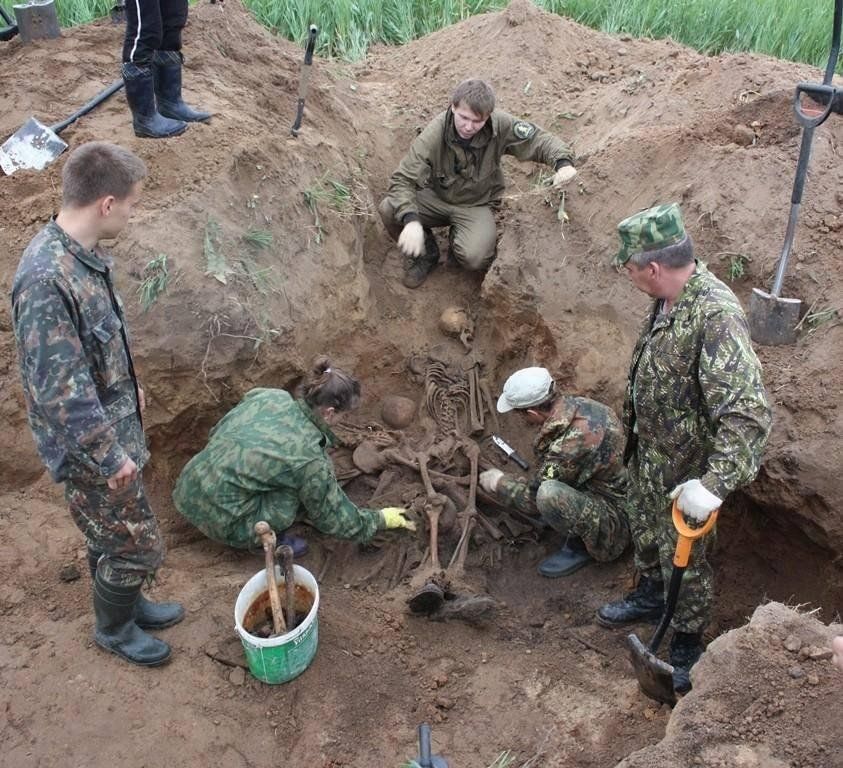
84, 399
452, 177
696, 418
266, 460
580, 487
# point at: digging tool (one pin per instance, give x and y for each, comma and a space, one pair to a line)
655, 677
35, 145
10, 29
426, 759
267, 537
285, 553
37, 20
772, 319
304, 78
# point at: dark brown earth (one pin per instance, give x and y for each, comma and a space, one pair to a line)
651, 121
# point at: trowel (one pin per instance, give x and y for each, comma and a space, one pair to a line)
772, 319
655, 677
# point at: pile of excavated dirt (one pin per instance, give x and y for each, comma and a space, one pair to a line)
650, 121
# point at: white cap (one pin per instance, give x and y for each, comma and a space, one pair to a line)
525, 388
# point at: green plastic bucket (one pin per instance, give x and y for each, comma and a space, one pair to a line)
279, 659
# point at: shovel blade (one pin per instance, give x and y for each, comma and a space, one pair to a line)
772, 319
655, 677
33, 146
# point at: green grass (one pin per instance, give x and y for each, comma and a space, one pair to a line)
800, 31
155, 280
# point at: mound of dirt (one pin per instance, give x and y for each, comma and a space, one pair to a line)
650, 121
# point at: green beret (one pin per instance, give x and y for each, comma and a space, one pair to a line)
650, 230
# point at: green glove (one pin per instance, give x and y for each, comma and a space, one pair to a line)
396, 517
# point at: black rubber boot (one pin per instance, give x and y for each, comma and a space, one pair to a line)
566, 561
685, 651
167, 66
645, 602
140, 93
116, 630
417, 268
148, 615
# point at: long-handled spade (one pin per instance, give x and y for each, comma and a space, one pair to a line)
267, 537
655, 677
285, 555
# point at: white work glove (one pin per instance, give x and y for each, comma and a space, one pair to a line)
695, 500
489, 480
564, 175
396, 517
411, 239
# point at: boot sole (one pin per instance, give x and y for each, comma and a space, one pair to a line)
160, 626
621, 624
123, 656
566, 572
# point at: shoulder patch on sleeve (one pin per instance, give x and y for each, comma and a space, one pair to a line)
523, 129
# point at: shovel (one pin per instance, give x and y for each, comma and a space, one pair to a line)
35, 145
772, 319
267, 537
10, 28
655, 677
304, 78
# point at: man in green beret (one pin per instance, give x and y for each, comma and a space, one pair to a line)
696, 418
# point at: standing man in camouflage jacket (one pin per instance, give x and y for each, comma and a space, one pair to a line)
83, 395
266, 460
452, 177
696, 417
579, 488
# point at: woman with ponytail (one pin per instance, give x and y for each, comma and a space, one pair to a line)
266, 460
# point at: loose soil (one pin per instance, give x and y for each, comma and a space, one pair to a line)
651, 121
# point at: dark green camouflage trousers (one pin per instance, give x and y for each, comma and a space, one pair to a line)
601, 524
654, 539
120, 525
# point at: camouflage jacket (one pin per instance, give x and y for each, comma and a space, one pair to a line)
468, 175
73, 347
266, 459
581, 445
695, 402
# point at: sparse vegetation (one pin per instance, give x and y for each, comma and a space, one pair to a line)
215, 263
736, 264
154, 281
258, 238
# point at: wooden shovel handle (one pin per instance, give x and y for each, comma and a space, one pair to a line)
267, 537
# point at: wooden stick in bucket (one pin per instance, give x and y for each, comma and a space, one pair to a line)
267, 537
285, 554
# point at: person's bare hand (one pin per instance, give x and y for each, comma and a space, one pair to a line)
124, 476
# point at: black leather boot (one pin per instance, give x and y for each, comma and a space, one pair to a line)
565, 561
167, 66
140, 93
645, 602
116, 630
685, 651
148, 615
417, 268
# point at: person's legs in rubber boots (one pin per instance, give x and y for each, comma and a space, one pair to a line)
116, 630
685, 651
167, 71
140, 93
148, 614
567, 560
417, 268
644, 603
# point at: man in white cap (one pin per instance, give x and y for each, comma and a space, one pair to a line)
580, 486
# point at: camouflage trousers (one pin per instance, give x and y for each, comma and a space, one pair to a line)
654, 539
601, 524
120, 525
472, 231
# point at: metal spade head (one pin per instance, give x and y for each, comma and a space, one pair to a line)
33, 146
655, 677
773, 320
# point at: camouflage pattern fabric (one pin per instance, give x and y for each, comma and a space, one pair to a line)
73, 346
266, 460
580, 485
119, 524
468, 175
695, 407
650, 230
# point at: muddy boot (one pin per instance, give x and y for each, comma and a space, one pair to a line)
148, 615
167, 66
566, 561
417, 268
116, 630
685, 651
645, 602
140, 93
